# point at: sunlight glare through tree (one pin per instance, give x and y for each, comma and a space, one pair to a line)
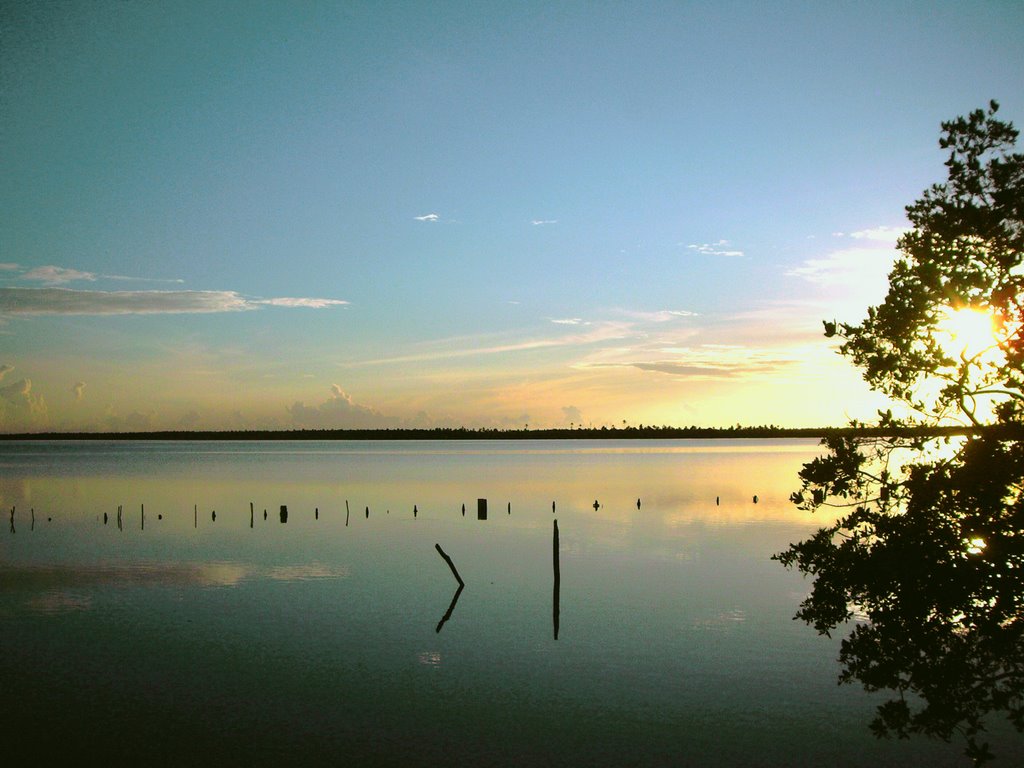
967, 332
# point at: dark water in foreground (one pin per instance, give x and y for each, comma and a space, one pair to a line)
178, 639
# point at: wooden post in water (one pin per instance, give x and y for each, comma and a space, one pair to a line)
481, 509
346, 513
195, 516
455, 571
284, 513
252, 514
143, 509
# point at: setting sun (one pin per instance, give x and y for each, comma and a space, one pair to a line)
966, 332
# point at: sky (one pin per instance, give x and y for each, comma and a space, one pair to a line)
248, 215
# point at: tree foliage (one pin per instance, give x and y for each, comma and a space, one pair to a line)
926, 557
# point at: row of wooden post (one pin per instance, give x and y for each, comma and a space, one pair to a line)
32, 525
481, 513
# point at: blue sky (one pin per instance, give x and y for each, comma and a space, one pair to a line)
224, 215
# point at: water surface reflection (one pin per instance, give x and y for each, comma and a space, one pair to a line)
658, 635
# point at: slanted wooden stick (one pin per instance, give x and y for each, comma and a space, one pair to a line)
455, 571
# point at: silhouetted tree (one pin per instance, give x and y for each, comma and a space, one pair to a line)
928, 548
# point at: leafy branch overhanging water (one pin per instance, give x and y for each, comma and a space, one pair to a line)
927, 554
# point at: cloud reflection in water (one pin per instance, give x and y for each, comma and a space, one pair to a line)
55, 589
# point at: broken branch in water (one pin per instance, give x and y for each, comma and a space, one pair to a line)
451, 565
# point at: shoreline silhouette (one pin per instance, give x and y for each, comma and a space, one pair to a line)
586, 433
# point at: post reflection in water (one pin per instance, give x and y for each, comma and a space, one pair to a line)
451, 607
655, 668
557, 579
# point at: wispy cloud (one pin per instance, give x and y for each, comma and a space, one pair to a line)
127, 279
308, 303
617, 337
452, 354
719, 248
543, 222
428, 217
848, 267
451, 349
658, 316
58, 275
54, 275
708, 361
682, 369
877, 234
725, 371
66, 301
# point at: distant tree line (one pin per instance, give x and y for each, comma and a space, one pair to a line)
646, 432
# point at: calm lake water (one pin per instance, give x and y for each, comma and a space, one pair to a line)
171, 637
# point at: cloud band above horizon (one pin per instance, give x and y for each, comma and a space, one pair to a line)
66, 301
